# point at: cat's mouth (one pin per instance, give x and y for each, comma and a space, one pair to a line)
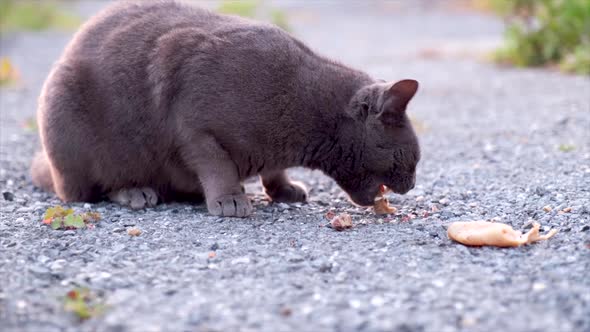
400, 189
369, 197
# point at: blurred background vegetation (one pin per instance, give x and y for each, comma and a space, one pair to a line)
254, 9
545, 33
38, 15
553, 33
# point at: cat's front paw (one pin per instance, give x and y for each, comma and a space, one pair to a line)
135, 198
288, 193
230, 206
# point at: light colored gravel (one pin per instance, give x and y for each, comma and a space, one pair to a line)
490, 150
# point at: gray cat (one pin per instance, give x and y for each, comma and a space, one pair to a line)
160, 101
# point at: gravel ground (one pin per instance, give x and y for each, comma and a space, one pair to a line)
490, 139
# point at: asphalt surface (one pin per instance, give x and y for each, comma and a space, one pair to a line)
493, 148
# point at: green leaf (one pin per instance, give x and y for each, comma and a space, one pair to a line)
54, 211
78, 307
566, 147
83, 303
75, 221
68, 212
56, 223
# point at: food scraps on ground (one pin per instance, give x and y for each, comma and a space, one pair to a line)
59, 218
381, 205
341, 222
83, 303
484, 233
134, 231
330, 214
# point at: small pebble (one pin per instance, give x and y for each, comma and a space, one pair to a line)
567, 210
355, 304
547, 208
20, 304
134, 231
539, 286
377, 301
468, 322
240, 260
286, 312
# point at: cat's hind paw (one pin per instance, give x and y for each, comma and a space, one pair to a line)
290, 192
135, 198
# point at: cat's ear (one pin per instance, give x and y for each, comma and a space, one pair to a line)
359, 110
396, 99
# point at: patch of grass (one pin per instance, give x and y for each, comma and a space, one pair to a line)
279, 18
83, 303
244, 8
250, 9
546, 32
35, 15
566, 147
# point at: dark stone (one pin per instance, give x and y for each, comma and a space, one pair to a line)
325, 267
8, 196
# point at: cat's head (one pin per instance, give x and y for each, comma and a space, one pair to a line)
390, 149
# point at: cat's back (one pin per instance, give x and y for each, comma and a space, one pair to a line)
140, 38
140, 26
135, 26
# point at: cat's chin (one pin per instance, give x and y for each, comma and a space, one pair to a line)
365, 200
401, 191
360, 205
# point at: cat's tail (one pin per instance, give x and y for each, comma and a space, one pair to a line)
41, 171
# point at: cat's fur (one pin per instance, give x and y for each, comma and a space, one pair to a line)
157, 101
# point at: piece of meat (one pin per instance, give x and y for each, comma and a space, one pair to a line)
381, 205
483, 233
341, 222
